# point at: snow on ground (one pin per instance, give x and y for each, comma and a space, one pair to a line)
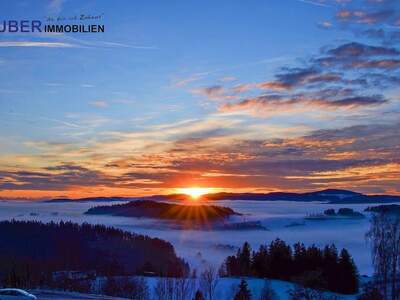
226, 288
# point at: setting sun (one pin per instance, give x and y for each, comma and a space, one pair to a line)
195, 192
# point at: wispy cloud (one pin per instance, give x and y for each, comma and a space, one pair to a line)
114, 44
215, 92
36, 44
62, 40
325, 24
86, 85
99, 103
30, 118
55, 6
315, 3
273, 105
182, 82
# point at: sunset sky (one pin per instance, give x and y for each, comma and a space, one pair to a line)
258, 96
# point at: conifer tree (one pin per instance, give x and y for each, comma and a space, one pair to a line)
243, 293
245, 259
347, 274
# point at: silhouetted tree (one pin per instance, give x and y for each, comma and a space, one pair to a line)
314, 258
309, 266
384, 235
243, 292
209, 281
244, 257
330, 266
260, 261
183, 288
347, 276
232, 266
299, 258
280, 260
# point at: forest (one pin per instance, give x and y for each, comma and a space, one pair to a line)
309, 266
31, 251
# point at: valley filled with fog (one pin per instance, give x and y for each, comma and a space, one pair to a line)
280, 219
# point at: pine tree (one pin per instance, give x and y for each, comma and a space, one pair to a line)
299, 258
260, 261
280, 260
347, 274
231, 266
244, 259
314, 257
330, 266
243, 292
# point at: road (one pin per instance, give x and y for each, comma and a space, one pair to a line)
51, 295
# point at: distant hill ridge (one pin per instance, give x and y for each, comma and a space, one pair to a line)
328, 195
89, 199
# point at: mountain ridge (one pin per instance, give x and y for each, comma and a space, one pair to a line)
334, 196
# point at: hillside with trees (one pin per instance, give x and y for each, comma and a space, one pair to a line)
162, 210
31, 251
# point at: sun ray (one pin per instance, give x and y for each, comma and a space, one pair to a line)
195, 192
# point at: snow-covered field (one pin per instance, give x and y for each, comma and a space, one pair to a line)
227, 287
206, 246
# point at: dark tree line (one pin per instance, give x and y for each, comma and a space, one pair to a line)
30, 251
310, 266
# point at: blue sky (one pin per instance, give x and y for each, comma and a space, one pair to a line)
232, 95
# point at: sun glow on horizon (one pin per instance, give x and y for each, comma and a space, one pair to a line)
195, 192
